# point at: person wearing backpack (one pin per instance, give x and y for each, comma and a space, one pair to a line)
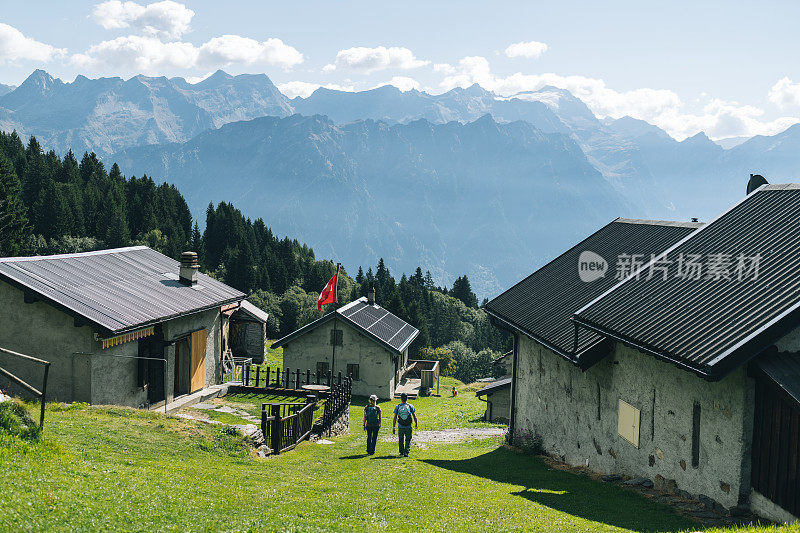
404, 413
372, 423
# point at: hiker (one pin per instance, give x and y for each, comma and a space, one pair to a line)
404, 412
372, 423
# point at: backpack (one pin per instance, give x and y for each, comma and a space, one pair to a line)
371, 415
404, 414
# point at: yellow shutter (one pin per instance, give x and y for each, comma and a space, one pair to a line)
628, 423
197, 363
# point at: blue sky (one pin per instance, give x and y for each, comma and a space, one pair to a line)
724, 68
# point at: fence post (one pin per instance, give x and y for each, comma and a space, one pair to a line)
44, 393
329, 378
297, 380
278, 376
264, 431
258, 374
339, 379
317, 376
308, 376
276, 430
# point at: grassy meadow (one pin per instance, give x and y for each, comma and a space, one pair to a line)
111, 468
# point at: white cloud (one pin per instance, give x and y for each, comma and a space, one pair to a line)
785, 93
529, 49
150, 55
662, 107
167, 19
304, 89
146, 55
374, 59
444, 68
229, 49
15, 46
403, 83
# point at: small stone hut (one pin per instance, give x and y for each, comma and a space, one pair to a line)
127, 326
360, 339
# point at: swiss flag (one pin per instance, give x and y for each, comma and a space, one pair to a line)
329, 294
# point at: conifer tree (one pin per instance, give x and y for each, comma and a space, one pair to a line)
14, 227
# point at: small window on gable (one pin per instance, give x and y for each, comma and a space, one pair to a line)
628, 423
322, 368
336, 337
352, 371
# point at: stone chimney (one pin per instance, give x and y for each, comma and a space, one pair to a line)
189, 268
371, 295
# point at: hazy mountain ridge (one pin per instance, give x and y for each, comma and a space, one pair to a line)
390, 158
485, 198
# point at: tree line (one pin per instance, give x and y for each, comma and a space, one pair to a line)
51, 204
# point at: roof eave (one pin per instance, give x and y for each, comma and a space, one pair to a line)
298, 332
703, 372
512, 327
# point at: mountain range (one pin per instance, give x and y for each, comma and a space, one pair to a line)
464, 181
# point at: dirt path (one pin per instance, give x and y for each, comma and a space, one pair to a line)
450, 435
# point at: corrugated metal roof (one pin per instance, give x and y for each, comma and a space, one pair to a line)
117, 290
541, 305
784, 369
495, 386
253, 311
712, 325
378, 323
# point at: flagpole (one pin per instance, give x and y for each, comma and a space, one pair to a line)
336, 300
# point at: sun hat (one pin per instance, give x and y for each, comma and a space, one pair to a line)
373, 398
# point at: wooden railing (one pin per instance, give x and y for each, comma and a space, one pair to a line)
339, 398
41, 394
285, 425
249, 375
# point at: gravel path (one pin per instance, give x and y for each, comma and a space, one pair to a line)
451, 435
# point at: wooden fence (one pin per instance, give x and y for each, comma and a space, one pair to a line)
41, 394
339, 398
285, 425
265, 377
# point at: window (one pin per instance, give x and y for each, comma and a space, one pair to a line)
322, 368
628, 423
336, 337
352, 371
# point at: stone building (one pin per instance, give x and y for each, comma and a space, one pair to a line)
683, 372
247, 332
498, 400
360, 339
127, 326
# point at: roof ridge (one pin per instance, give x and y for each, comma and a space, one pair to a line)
71, 255
675, 223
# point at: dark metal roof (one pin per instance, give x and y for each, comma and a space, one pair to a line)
784, 369
495, 386
373, 320
117, 290
706, 325
540, 306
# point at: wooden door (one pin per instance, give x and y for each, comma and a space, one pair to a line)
776, 446
197, 363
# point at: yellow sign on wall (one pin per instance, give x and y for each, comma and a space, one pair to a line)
628, 423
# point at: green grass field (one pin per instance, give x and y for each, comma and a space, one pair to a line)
108, 468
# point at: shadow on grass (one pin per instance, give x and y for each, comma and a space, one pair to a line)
357, 456
387, 457
567, 492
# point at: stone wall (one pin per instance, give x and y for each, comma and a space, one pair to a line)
500, 403
376, 364
80, 369
576, 413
